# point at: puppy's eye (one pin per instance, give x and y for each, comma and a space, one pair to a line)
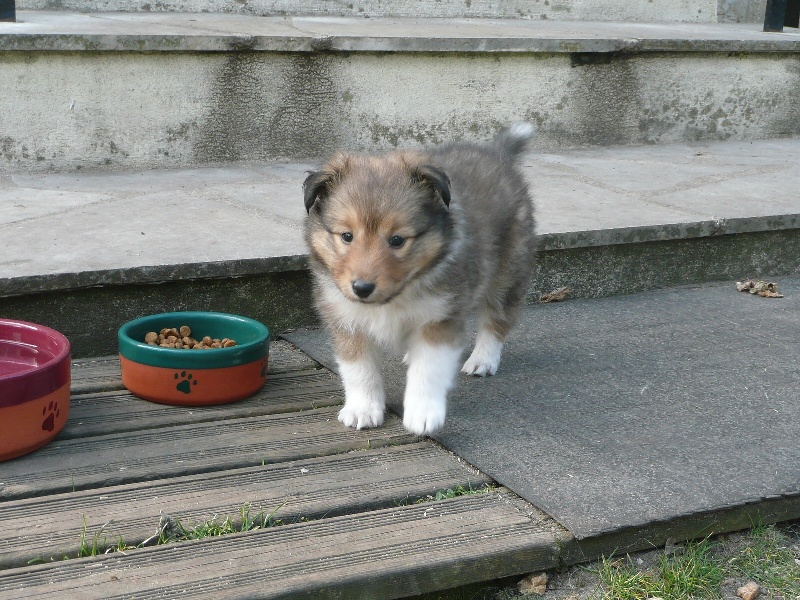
397, 241
347, 237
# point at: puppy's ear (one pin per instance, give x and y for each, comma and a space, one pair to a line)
319, 184
435, 178
316, 187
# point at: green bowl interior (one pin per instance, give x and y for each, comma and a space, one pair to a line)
252, 340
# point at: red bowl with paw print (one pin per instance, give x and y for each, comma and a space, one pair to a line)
34, 386
190, 377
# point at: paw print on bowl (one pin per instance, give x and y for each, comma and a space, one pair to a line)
186, 382
50, 412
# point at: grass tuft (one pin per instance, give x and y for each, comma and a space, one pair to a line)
453, 492
772, 559
767, 555
91, 546
174, 530
171, 530
694, 573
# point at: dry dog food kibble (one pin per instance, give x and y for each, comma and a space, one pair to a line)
181, 338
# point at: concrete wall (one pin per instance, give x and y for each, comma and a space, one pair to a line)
702, 11
741, 11
132, 110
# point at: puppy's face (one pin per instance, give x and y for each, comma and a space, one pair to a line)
377, 223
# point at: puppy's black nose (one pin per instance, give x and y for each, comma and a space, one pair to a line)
363, 288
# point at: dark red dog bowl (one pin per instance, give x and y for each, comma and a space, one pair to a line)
34, 386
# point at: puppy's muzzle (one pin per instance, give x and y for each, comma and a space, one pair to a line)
363, 288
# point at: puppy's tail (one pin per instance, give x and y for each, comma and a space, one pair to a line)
513, 139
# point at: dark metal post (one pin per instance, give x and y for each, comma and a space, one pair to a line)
792, 14
775, 15
8, 11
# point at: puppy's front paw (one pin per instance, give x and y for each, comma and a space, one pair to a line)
485, 358
362, 417
480, 367
365, 398
424, 418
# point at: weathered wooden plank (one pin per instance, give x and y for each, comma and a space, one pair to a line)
383, 554
50, 528
95, 375
102, 374
97, 413
77, 464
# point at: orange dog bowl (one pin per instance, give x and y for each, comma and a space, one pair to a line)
34, 386
194, 377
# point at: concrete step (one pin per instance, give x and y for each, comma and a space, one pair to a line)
126, 91
86, 252
693, 11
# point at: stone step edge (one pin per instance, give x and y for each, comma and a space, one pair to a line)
154, 274
104, 32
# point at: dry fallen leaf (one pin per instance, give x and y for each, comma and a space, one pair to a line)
535, 583
557, 295
762, 288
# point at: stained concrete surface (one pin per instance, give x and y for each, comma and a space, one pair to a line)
80, 229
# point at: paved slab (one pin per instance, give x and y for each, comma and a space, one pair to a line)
66, 231
621, 413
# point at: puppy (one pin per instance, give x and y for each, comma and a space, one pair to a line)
404, 247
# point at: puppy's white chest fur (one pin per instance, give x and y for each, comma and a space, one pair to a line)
390, 324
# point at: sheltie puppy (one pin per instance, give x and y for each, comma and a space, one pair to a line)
404, 248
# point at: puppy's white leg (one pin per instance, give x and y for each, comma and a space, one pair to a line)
365, 397
485, 357
432, 369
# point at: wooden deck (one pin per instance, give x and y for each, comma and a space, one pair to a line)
124, 470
